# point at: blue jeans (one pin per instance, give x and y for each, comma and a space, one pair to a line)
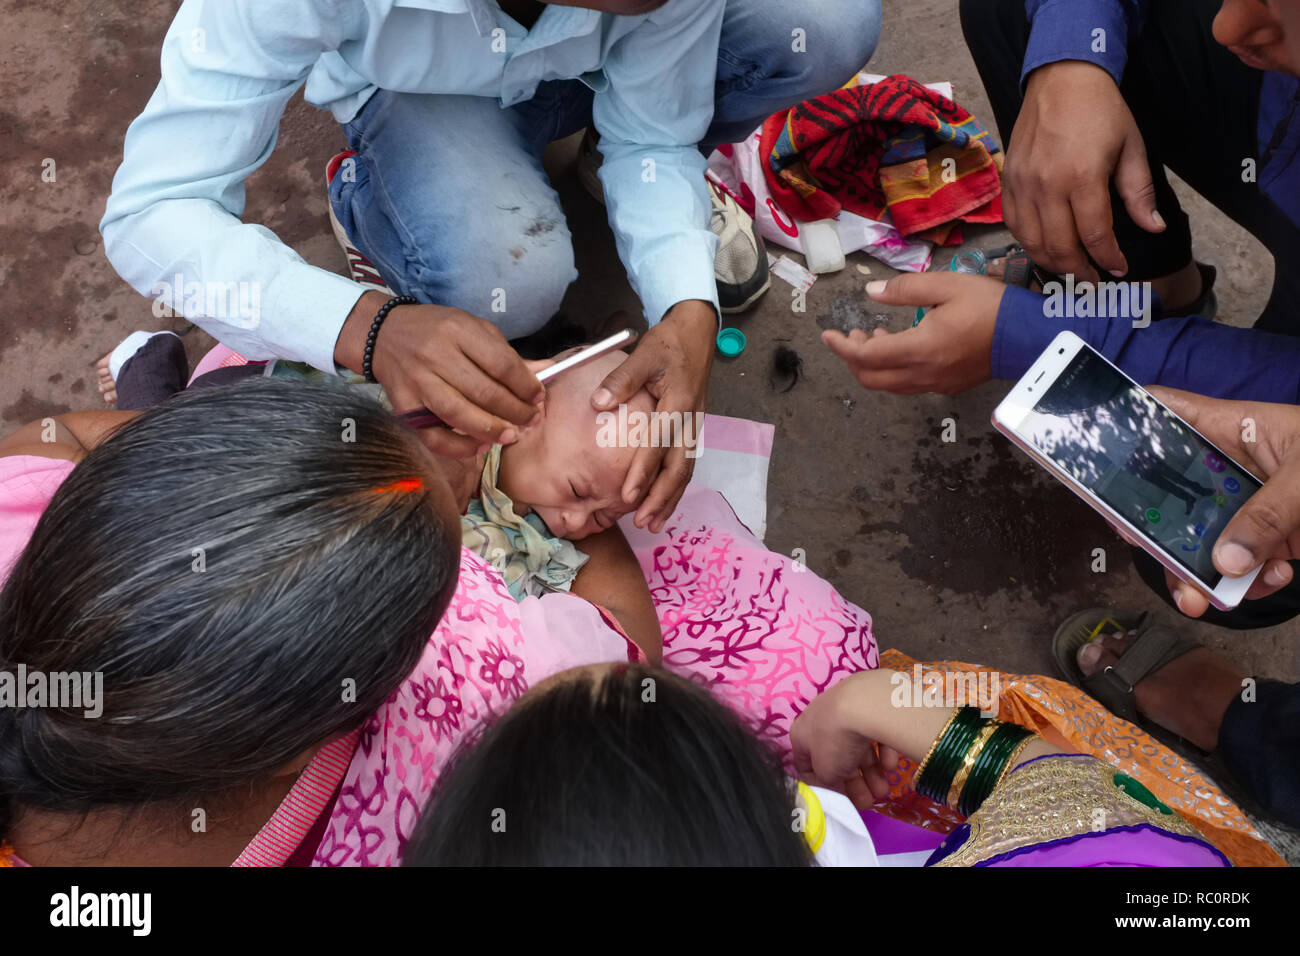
450, 200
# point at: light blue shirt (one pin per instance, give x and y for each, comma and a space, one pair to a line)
172, 226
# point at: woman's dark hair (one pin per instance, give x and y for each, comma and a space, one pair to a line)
252, 568
630, 766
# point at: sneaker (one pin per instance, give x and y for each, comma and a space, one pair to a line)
741, 265
588, 165
361, 269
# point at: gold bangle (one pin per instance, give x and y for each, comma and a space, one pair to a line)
1012, 760
972, 754
920, 768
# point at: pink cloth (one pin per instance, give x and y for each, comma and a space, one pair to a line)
762, 631
487, 651
219, 356
27, 483
278, 841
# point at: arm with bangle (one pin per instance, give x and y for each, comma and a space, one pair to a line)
1024, 799
860, 727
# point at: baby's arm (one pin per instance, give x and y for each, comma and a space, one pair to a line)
613, 579
68, 437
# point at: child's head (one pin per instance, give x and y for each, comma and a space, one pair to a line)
612, 765
560, 469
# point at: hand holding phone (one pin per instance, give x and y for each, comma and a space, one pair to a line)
1147, 471
1265, 531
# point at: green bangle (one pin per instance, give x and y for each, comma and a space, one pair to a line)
944, 763
948, 754
984, 775
990, 757
939, 766
934, 745
989, 767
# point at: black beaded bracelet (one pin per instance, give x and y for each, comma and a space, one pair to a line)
369, 355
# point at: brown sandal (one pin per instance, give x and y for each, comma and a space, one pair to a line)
1153, 647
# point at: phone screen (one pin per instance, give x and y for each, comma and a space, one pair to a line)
1140, 459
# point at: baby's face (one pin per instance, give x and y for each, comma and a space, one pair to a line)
560, 469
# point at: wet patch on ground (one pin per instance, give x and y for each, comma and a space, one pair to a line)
985, 519
29, 408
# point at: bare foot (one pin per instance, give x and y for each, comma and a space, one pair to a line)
107, 387
1188, 696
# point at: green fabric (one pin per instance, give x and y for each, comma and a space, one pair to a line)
529, 557
302, 372
1140, 793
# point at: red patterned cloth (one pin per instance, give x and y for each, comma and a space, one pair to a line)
893, 146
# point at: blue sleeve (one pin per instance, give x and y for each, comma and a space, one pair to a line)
656, 108
1096, 31
1221, 361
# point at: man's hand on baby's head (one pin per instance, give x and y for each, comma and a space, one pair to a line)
1265, 439
453, 363
672, 363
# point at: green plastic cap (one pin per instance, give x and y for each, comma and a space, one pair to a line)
731, 342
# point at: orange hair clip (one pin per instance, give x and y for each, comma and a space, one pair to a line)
405, 484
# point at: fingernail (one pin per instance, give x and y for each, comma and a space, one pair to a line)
534, 420
875, 288
1275, 576
508, 437
1157, 218
1177, 595
603, 397
633, 496
1118, 273
1234, 558
541, 397
1089, 655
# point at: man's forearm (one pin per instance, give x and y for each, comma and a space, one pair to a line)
1192, 354
350, 347
1094, 31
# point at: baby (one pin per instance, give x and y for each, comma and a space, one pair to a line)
523, 504
560, 468
561, 482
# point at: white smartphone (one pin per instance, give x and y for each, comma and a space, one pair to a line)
1133, 460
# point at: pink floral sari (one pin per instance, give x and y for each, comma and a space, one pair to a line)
759, 629
763, 632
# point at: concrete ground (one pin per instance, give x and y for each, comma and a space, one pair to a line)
959, 550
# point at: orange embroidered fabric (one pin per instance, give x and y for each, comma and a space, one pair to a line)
1072, 720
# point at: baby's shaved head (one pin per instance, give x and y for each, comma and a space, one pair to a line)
570, 468
572, 390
